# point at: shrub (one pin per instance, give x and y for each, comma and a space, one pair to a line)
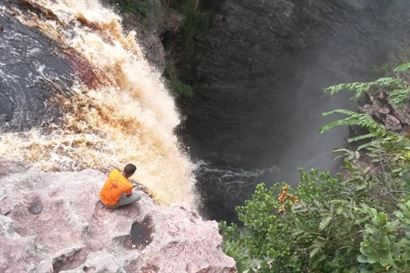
359, 222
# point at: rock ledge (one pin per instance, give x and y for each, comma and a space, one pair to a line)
52, 222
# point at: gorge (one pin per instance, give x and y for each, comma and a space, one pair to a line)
82, 87
257, 77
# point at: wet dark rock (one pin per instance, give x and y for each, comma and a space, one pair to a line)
32, 72
1, 28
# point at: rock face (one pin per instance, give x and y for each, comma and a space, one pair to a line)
260, 70
150, 27
51, 222
258, 75
393, 117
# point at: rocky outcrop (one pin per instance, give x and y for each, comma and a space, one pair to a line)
393, 117
51, 222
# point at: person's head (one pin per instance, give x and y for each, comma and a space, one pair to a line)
129, 170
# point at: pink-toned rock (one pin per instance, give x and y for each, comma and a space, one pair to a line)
52, 222
384, 110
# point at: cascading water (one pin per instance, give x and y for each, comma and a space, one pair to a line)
222, 187
117, 109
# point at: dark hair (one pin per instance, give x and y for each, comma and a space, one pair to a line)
129, 170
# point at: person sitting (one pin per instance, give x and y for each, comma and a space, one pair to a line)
118, 190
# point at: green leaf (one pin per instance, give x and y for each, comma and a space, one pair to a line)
362, 259
325, 222
361, 187
402, 68
399, 97
314, 252
358, 138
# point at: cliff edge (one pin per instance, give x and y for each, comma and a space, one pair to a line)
52, 222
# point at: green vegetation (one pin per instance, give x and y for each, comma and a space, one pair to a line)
176, 85
358, 222
195, 21
180, 88
399, 57
398, 89
141, 7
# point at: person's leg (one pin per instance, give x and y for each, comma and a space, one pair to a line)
126, 200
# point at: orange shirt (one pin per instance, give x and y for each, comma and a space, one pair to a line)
114, 186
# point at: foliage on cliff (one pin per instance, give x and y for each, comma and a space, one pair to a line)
355, 222
141, 7
196, 22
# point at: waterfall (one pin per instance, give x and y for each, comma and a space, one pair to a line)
117, 111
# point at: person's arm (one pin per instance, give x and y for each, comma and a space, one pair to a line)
141, 187
126, 187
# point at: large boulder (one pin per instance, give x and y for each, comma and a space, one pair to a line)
53, 222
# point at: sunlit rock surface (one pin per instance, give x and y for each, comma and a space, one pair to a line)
52, 222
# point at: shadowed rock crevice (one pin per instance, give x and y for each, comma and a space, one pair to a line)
141, 233
69, 260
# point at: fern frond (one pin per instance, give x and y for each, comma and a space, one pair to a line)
353, 119
345, 153
402, 68
399, 97
365, 146
359, 138
389, 82
359, 88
